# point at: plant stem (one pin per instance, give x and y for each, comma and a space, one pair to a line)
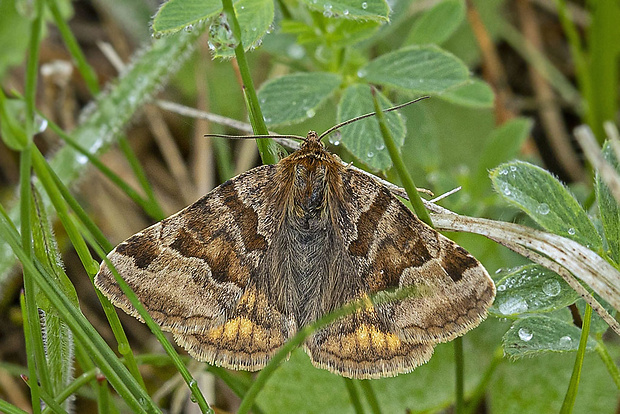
399, 164
603, 353
459, 374
354, 395
265, 146
370, 395
571, 393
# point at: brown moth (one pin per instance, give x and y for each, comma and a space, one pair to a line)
237, 273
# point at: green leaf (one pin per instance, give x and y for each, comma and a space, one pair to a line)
475, 94
502, 145
293, 98
14, 34
377, 10
539, 334
438, 23
254, 16
363, 138
175, 15
531, 289
419, 69
608, 206
546, 200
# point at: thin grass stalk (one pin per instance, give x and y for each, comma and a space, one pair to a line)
571, 394
354, 395
265, 146
371, 396
87, 72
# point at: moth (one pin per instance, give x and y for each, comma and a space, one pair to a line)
236, 274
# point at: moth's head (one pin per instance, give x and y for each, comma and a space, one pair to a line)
312, 140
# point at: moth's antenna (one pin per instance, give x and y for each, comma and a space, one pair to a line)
254, 136
357, 118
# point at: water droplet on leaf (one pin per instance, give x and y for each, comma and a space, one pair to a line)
543, 208
566, 341
513, 305
552, 288
525, 334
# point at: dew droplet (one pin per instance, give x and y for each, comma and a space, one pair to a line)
310, 113
503, 171
156, 35
189, 28
571, 231
552, 288
566, 341
370, 154
345, 12
505, 188
40, 124
192, 383
380, 146
525, 334
501, 288
364, 5
513, 168
513, 305
361, 73
543, 208
124, 349
335, 138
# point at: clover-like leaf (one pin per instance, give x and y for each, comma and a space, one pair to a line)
474, 94
539, 334
546, 200
418, 69
293, 98
363, 138
531, 289
175, 15
438, 23
377, 10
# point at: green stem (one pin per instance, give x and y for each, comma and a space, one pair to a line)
354, 395
89, 75
9, 408
399, 164
571, 393
265, 146
581, 66
370, 395
601, 349
35, 392
77, 241
33, 329
459, 374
